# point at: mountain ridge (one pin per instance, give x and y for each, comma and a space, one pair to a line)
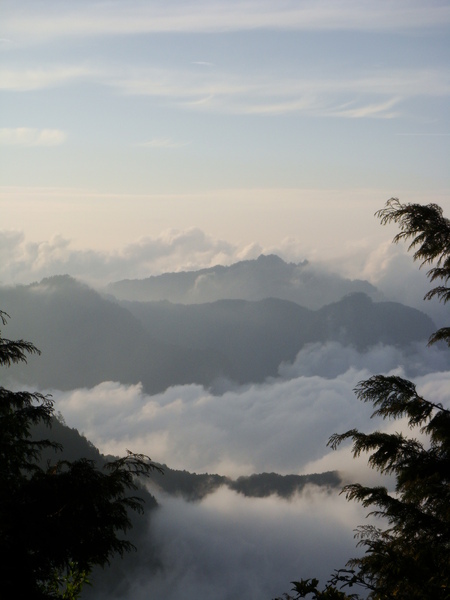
86, 339
266, 276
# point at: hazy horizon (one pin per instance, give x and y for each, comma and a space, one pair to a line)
264, 126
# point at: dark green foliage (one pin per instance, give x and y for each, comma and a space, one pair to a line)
411, 557
429, 234
408, 558
307, 588
56, 521
285, 486
193, 487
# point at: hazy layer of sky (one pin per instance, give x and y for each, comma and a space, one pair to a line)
255, 122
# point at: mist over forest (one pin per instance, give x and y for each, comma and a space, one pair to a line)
233, 379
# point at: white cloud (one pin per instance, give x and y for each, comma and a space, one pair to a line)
25, 136
279, 426
316, 106
393, 271
229, 546
378, 110
237, 433
6, 44
172, 250
175, 250
332, 360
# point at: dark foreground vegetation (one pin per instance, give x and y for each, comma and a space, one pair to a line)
61, 519
409, 557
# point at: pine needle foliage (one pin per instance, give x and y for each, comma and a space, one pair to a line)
428, 233
408, 556
59, 520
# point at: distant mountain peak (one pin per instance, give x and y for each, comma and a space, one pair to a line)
276, 261
57, 282
264, 277
357, 299
270, 259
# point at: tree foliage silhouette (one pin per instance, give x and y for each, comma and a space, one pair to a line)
56, 521
408, 558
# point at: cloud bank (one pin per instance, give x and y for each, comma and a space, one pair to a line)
228, 545
385, 265
281, 426
172, 250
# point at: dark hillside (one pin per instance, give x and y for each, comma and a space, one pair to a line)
86, 339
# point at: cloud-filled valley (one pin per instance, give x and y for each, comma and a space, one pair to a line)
243, 387
227, 544
237, 432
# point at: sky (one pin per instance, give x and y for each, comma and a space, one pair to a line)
264, 125
148, 136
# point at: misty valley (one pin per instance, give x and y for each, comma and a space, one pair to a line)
232, 379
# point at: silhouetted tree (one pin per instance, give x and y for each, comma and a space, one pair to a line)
409, 558
56, 521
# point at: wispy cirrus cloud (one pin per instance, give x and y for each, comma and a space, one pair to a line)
158, 81
353, 95
26, 136
375, 110
53, 20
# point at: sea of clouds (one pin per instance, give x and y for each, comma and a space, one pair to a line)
227, 545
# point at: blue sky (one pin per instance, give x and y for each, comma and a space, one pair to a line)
252, 121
